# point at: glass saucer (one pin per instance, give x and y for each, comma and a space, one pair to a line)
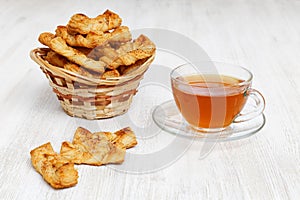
168, 118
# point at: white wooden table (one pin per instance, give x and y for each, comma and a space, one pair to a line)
263, 36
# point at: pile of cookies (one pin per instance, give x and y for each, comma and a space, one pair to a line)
86, 148
96, 47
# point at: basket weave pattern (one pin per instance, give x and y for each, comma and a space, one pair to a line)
87, 97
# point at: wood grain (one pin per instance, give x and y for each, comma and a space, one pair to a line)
263, 36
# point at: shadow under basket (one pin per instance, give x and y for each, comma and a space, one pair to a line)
91, 98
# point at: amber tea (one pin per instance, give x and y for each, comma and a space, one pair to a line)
209, 101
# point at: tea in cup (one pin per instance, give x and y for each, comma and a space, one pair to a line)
210, 95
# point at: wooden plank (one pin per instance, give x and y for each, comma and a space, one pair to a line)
263, 36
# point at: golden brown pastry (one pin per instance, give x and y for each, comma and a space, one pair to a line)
128, 53
125, 138
60, 61
56, 59
81, 71
84, 50
79, 23
45, 38
128, 69
92, 40
91, 149
107, 52
58, 45
97, 47
87, 148
58, 171
110, 74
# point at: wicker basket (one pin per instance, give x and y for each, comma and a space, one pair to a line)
87, 97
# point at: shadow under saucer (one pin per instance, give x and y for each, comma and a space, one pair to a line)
168, 118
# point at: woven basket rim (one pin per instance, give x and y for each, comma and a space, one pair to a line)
37, 53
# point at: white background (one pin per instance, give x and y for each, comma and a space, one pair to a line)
263, 36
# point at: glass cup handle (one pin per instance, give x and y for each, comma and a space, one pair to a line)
259, 106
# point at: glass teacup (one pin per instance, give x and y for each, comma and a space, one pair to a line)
211, 95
